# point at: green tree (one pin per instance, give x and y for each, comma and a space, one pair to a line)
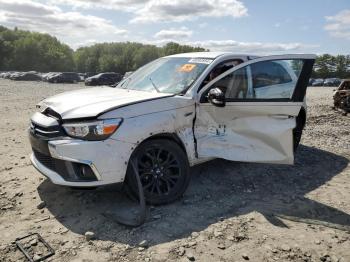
123, 57
24, 50
342, 66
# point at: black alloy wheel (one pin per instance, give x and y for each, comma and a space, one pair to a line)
163, 169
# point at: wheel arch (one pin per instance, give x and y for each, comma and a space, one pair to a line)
171, 139
168, 136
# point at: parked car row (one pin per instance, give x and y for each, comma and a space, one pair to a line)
109, 78
66, 77
21, 76
52, 77
324, 82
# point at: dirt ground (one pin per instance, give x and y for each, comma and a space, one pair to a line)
230, 212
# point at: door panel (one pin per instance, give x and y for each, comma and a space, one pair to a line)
263, 98
248, 132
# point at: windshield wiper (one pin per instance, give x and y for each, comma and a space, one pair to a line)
153, 84
122, 83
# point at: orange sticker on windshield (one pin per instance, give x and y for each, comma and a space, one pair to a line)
186, 68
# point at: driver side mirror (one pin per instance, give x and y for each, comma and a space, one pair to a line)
216, 97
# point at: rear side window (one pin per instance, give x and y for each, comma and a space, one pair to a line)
269, 73
275, 79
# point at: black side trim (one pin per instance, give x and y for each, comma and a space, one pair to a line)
258, 100
303, 81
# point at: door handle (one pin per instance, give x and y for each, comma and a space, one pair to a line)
281, 116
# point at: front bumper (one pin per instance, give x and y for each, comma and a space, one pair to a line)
57, 178
61, 160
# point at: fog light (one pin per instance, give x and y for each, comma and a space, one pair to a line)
84, 172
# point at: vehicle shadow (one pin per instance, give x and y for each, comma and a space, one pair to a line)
219, 189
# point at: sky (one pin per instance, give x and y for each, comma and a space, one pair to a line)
241, 26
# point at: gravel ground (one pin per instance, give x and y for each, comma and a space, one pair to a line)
230, 212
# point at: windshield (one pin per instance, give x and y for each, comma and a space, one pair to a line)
166, 75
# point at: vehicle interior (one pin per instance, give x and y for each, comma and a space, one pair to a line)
263, 80
220, 69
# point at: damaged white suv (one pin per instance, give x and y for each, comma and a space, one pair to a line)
173, 113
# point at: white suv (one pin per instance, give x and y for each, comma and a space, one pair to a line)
173, 113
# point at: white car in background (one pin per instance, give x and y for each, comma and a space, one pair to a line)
173, 113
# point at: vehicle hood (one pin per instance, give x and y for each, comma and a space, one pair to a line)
91, 102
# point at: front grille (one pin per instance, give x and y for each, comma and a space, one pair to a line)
45, 160
46, 132
42, 130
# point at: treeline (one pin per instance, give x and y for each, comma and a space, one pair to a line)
123, 57
25, 51
328, 66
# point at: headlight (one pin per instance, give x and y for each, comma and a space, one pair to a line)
96, 130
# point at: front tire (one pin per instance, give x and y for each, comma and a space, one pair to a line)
163, 169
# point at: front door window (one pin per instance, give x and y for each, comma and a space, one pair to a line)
274, 79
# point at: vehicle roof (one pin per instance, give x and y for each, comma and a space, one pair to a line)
231, 55
212, 55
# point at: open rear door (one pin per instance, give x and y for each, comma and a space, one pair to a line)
263, 98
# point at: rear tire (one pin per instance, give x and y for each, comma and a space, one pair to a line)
164, 171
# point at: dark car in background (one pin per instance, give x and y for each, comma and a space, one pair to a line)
26, 76
10, 74
67, 77
127, 74
318, 82
103, 79
14, 75
3, 74
46, 76
311, 81
332, 82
